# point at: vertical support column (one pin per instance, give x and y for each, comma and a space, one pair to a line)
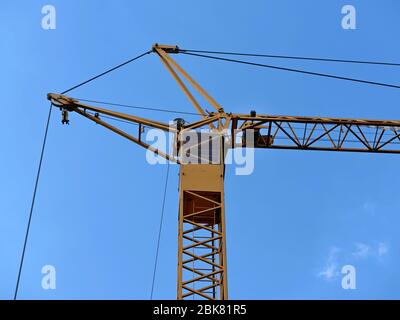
180, 243
201, 237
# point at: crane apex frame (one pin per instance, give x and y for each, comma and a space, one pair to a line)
202, 261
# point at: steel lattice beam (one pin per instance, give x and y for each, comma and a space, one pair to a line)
324, 134
201, 237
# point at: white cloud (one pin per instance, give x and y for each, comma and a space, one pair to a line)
338, 257
362, 250
370, 251
331, 271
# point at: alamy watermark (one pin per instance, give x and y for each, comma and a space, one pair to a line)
49, 19
349, 278
49, 277
349, 20
203, 147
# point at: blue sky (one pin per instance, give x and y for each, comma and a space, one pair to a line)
292, 224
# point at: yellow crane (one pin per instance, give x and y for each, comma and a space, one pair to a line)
202, 261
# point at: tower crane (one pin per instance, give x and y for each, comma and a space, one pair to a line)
202, 258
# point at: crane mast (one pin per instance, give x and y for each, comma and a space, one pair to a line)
202, 256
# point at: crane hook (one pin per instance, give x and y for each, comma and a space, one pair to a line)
64, 117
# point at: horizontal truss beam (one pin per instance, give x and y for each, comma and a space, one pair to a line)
323, 134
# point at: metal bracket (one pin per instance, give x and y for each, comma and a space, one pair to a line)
165, 48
